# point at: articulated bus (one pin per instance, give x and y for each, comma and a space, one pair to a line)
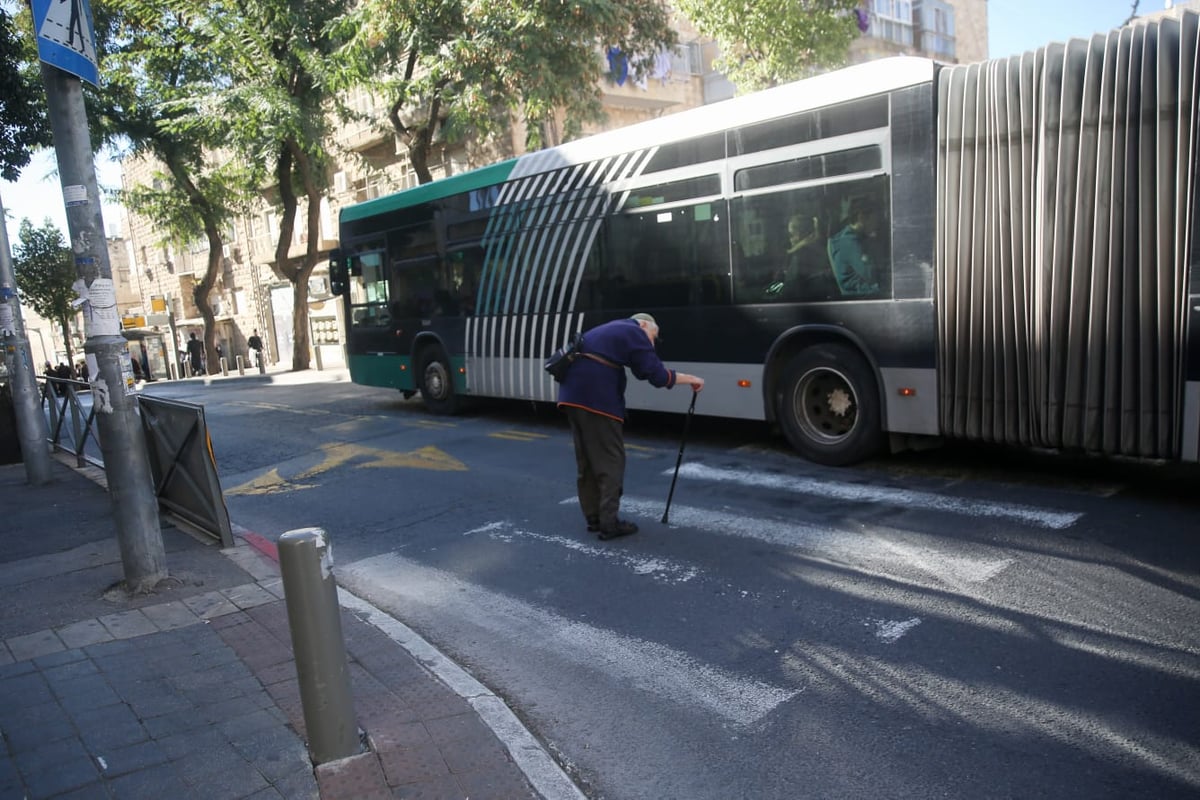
1003, 252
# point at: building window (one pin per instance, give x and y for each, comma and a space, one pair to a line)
892, 20
934, 24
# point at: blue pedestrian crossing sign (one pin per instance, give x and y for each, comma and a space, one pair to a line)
66, 37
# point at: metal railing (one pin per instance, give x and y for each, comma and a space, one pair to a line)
71, 423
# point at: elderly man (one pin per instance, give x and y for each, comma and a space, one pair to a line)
593, 396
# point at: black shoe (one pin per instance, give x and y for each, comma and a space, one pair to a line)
619, 528
593, 524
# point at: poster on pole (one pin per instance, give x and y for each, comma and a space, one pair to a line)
66, 37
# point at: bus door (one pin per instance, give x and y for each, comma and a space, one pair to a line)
416, 298
369, 315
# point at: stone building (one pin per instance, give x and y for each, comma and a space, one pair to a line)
953, 31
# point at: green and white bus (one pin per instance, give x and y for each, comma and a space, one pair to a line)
1023, 246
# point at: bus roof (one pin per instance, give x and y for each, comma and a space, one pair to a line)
861, 80
455, 184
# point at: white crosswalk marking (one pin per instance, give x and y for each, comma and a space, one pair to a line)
663, 569
907, 498
390, 581
841, 545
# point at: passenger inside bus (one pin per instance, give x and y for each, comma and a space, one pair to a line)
853, 267
800, 277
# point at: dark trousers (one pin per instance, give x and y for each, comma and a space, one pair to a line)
600, 464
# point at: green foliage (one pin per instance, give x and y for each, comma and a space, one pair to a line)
160, 67
23, 123
452, 67
45, 269
275, 53
768, 42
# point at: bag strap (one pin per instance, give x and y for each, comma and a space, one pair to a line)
601, 360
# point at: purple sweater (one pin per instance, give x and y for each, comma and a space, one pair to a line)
600, 388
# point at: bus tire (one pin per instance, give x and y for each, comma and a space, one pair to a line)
436, 381
829, 405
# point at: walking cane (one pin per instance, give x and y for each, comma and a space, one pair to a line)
679, 460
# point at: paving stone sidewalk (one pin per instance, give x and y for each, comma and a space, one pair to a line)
191, 691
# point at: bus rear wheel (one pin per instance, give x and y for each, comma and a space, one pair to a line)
436, 381
829, 405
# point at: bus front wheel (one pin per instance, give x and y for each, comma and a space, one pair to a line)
437, 382
829, 405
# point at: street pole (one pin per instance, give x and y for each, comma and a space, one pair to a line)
177, 368
110, 373
31, 423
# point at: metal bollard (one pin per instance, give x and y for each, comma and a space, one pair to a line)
310, 592
224, 367
241, 366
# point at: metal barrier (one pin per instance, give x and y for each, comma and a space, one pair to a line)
182, 463
62, 399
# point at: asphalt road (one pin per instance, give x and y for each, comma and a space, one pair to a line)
964, 623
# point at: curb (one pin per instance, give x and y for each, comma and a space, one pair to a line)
543, 773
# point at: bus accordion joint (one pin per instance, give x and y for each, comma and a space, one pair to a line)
906, 391
745, 384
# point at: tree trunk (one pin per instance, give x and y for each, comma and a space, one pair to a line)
300, 327
212, 232
66, 334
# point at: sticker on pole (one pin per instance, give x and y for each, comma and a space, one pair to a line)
66, 37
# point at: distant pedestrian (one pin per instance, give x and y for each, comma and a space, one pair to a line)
82, 369
195, 350
255, 342
64, 371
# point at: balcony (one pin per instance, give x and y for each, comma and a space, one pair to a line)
363, 135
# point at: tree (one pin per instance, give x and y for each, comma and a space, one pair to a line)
768, 42
45, 270
160, 68
23, 123
452, 69
278, 98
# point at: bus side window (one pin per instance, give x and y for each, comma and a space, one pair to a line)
463, 270
667, 258
859, 244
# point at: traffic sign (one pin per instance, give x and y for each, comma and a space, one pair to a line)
66, 37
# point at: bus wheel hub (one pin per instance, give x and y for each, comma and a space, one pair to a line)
839, 402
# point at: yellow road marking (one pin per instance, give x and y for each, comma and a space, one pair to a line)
312, 412
518, 436
270, 483
429, 423
430, 458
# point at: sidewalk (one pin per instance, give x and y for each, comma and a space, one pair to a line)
280, 373
191, 691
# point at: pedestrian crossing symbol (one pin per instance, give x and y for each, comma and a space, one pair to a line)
66, 37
